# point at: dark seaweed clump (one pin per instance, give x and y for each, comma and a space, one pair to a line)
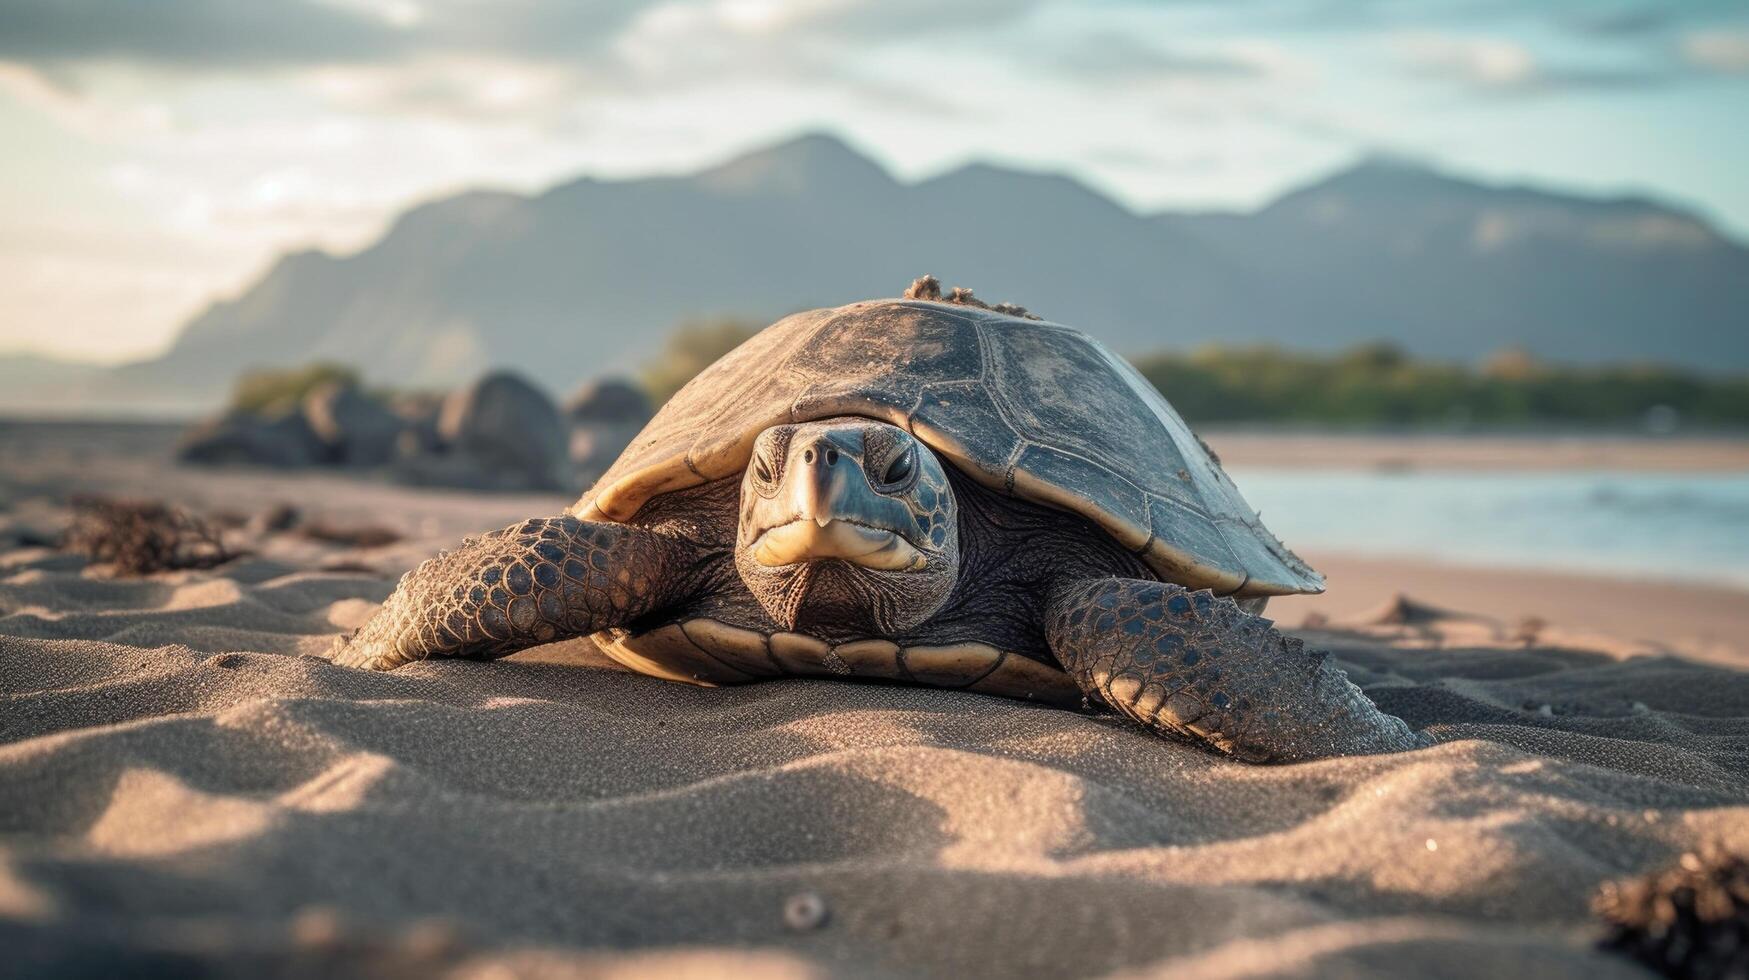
139, 537
1689, 921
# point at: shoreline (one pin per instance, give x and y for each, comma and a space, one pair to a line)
1529, 452
1705, 623
1247, 447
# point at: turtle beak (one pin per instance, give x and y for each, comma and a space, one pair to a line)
820, 482
835, 513
806, 540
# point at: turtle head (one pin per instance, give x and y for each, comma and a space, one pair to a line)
848, 526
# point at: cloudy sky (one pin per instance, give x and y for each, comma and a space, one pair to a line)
159, 153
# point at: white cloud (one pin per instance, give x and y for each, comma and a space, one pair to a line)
82, 111
403, 14
198, 33
1487, 62
474, 88
1726, 52
1502, 66
232, 130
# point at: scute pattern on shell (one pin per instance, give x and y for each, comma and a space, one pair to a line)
1029, 408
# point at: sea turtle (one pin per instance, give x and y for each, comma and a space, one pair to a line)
922, 490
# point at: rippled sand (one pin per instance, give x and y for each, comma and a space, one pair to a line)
185, 783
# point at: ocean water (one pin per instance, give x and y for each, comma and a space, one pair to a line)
1683, 526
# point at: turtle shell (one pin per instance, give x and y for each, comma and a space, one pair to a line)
1032, 409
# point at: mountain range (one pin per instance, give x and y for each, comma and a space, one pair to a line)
590, 276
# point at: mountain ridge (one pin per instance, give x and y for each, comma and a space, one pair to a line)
587, 276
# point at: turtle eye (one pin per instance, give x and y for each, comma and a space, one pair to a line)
900, 469
766, 466
763, 479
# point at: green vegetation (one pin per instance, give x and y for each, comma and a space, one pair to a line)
1378, 385
1374, 385
693, 347
1370, 385
276, 391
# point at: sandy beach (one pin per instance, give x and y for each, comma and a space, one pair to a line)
187, 785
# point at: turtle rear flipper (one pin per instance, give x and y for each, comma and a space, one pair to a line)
535, 582
1196, 665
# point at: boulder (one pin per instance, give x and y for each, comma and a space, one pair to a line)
594, 448
418, 413
509, 429
605, 416
355, 428
283, 440
610, 401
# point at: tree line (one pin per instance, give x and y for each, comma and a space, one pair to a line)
1373, 385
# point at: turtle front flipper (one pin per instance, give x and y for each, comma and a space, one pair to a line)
1194, 664
531, 583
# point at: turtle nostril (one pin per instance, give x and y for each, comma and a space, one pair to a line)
808, 456
831, 457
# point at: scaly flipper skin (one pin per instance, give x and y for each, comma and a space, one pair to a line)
1193, 664
531, 583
